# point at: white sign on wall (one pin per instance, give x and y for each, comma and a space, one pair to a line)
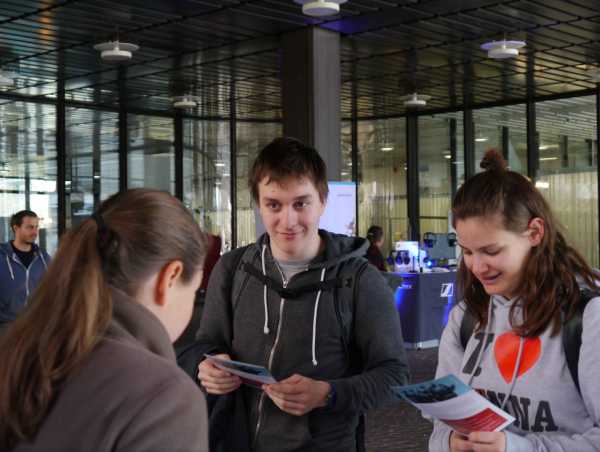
340, 213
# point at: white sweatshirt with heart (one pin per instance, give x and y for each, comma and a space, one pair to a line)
551, 415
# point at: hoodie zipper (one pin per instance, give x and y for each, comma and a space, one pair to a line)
26, 274
271, 355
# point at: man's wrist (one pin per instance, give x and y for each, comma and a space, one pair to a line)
330, 396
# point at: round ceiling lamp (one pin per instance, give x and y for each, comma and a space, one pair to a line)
320, 8
185, 102
115, 51
6, 79
415, 100
502, 49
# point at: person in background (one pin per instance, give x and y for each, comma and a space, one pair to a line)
374, 255
89, 365
304, 303
22, 265
522, 284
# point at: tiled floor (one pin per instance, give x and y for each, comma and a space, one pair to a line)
400, 428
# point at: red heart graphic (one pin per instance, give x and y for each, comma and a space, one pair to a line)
506, 350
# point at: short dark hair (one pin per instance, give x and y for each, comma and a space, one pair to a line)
285, 157
17, 218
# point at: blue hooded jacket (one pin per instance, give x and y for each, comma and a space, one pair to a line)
17, 282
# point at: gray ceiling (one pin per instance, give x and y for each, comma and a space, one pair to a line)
389, 48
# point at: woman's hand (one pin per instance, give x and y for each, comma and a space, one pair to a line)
215, 380
478, 442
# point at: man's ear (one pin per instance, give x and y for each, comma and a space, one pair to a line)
536, 230
167, 277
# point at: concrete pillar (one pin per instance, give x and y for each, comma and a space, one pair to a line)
311, 81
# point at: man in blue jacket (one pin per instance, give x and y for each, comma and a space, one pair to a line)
22, 265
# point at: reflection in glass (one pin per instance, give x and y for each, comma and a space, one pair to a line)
92, 172
382, 178
346, 146
567, 168
206, 175
500, 128
151, 158
251, 138
437, 135
28, 167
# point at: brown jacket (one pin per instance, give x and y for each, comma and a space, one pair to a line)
129, 395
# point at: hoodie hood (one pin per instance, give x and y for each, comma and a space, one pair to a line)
6, 248
338, 248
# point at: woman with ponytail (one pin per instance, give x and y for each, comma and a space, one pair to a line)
374, 256
523, 287
89, 366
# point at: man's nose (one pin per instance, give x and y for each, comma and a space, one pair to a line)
289, 217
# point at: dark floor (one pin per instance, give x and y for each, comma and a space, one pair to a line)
401, 428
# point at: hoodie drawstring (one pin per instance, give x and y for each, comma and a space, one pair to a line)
513, 381
314, 331
264, 270
12, 275
43, 260
515, 372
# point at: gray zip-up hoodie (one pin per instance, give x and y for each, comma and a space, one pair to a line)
551, 415
17, 282
303, 335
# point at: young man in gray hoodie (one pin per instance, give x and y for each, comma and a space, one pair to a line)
304, 303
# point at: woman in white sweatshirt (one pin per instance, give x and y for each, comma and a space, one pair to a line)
521, 282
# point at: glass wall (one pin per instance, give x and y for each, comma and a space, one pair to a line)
28, 167
207, 175
251, 138
567, 168
382, 178
92, 156
346, 146
151, 158
503, 128
438, 172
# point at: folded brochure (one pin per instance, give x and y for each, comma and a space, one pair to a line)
457, 405
250, 374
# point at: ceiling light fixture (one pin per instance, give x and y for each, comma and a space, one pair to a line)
387, 148
320, 8
185, 101
115, 51
542, 184
415, 100
502, 49
6, 79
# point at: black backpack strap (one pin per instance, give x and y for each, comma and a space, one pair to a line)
467, 326
291, 293
571, 336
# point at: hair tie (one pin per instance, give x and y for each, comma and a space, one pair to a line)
103, 236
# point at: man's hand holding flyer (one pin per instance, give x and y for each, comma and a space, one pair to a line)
250, 374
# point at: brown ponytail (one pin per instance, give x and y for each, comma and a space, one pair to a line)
72, 307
